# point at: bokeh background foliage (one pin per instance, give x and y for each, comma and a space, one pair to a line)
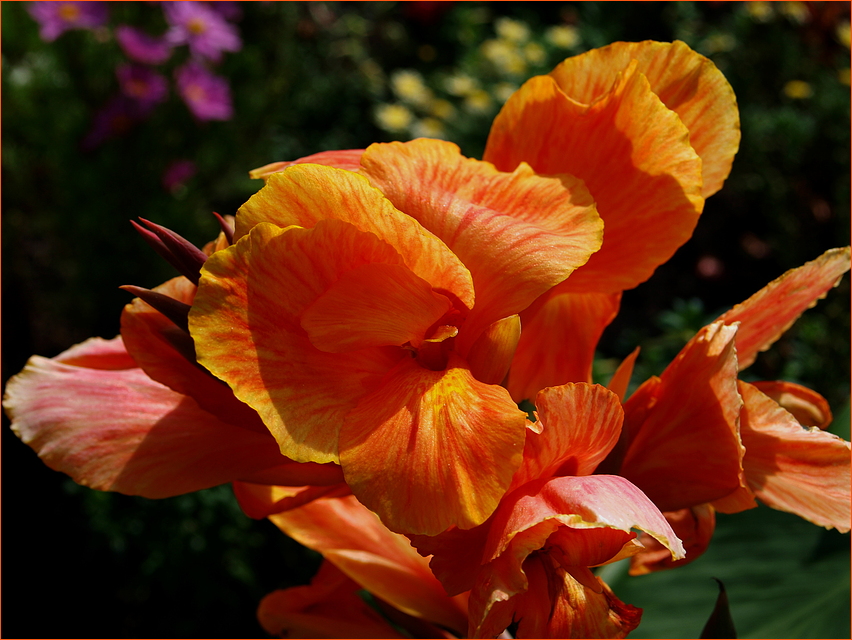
326, 75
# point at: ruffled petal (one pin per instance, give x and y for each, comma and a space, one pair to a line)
694, 526
687, 83
245, 321
440, 440
633, 154
766, 315
118, 430
349, 159
803, 471
519, 234
808, 407
580, 425
684, 446
305, 194
329, 607
560, 334
382, 562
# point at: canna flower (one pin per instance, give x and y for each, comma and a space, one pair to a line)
359, 554
369, 319
651, 128
55, 18
530, 562
207, 95
136, 415
202, 28
697, 440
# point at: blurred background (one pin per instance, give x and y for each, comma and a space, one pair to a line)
105, 120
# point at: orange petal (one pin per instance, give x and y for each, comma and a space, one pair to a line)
305, 194
519, 234
766, 315
151, 339
118, 430
633, 154
245, 321
440, 440
620, 380
560, 334
686, 82
329, 607
694, 526
373, 305
382, 562
803, 471
492, 352
580, 425
808, 407
349, 159
684, 448
262, 500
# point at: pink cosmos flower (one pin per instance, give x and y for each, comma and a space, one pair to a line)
142, 84
177, 173
139, 46
207, 95
55, 18
206, 32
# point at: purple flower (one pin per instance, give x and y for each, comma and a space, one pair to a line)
229, 10
141, 47
54, 18
206, 32
207, 95
177, 173
114, 119
142, 84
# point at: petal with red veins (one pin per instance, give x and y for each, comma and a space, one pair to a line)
519, 234
245, 321
560, 334
803, 471
687, 83
118, 430
766, 315
305, 194
440, 440
632, 153
684, 446
349, 159
580, 425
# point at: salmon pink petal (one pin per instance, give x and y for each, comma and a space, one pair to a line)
97, 353
808, 407
118, 430
580, 425
766, 315
519, 234
684, 447
305, 194
440, 440
349, 159
245, 321
262, 500
694, 526
159, 348
633, 154
803, 471
687, 83
561, 333
382, 562
329, 607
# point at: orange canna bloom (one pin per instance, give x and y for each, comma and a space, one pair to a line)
530, 562
368, 319
651, 128
697, 440
359, 554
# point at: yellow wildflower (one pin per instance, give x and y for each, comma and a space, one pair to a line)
798, 90
393, 117
563, 36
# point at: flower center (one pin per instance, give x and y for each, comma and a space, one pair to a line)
69, 12
196, 26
